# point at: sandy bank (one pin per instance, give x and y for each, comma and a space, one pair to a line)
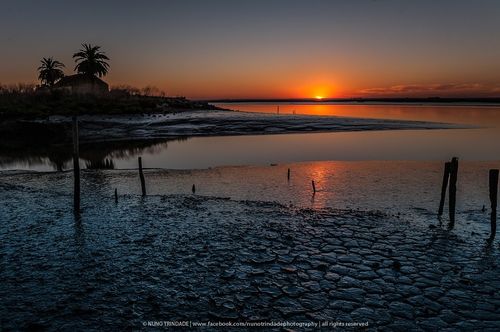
220, 123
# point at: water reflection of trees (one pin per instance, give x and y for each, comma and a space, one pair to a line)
98, 155
100, 164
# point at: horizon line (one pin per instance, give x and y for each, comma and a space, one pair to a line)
435, 99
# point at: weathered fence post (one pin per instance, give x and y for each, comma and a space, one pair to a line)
141, 176
116, 195
76, 168
453, 189
446, 176
288, 175
314, 186
493, 200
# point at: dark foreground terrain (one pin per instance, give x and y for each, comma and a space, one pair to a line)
199, 259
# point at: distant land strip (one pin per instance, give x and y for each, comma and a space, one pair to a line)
437, 100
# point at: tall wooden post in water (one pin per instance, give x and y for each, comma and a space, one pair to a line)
444, 186
493, 200
453, 190
76, 168
141, 176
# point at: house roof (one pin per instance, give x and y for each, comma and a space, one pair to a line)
78, 79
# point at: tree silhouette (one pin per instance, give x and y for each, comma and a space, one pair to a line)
50, 71
91, 61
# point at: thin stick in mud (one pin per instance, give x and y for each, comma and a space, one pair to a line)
493, 200
453, 190
76, 168
141, 176
446, 176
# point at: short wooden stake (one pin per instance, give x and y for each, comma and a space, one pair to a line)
314, 186
116, 195
493, 200
444, 186
288, 175
453, 190
193, 189
76, 167
141, 176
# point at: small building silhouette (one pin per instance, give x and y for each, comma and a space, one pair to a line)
82, 84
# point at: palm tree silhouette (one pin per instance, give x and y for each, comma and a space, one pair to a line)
50, 71
91, 61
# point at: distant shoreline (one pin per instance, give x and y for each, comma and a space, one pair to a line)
431, 100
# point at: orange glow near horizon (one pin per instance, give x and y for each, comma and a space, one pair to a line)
319, 89
326, 88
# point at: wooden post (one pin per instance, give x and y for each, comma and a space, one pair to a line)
314, 186
193, 189
453, 190
493, 200
76, 168
288, 175
446, 176
141, 176
116, 195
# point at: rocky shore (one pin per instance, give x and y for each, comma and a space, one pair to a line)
200, 259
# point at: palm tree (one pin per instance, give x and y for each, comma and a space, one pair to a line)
50, 71
90, 61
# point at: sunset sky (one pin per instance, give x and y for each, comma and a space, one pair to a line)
266, 49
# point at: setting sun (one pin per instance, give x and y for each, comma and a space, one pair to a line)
318, 97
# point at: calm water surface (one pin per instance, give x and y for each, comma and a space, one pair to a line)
393, 171
409, 188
